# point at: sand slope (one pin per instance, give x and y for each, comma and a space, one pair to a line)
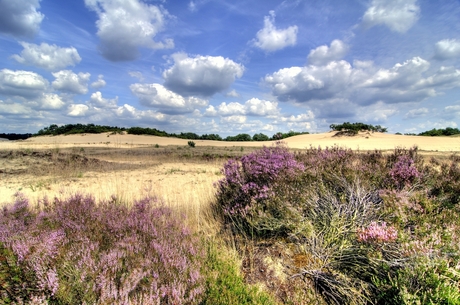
363, 141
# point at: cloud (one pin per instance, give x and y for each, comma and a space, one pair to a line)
126, 25
252, 107
20, 18
157, 96
232, 93
363, 83
51, 101
447, 49
137, 74
415, 113
129, 112
271, 39
49, 57
377, 113
97, 100
22, 83
400, 75
13, 108
230, 109
192, 6
452, 108
77, 110
397, 15
67, 81
302, 84
300, 118
323, 55
259, 107
201, 75
99, 83
28, 89
452, 112
234, 119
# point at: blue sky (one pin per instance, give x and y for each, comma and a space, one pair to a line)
230, 67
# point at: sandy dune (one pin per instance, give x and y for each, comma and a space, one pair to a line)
363, 141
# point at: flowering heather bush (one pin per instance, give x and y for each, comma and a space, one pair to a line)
356, 223
377, 233
404, 172
75, 251
245, 193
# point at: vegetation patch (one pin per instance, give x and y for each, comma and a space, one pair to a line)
352, 227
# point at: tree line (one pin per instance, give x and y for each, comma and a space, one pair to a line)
67, 129
449, 131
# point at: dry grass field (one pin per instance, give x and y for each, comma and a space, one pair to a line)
131, 166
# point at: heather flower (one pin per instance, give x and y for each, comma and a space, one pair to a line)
377, 233
404, 171
252, 185
81, 252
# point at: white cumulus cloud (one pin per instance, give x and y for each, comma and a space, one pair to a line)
96, 100
22, 83
77, 110
272, 39
234, 119
336, 89
447, 49
397, 15
49, 57
415, 113
126, 25
14, 108
201, 75
300, 118
157, 96
51, 101
252, 107
67, 81
324, 54
20, 18
99, 83
311, 82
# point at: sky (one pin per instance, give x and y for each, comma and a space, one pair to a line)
230, 66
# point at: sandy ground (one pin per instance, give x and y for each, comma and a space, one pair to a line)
126, 166
363, 141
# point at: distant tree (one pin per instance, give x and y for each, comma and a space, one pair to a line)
260, 137
357, 127
54, 129
279, 135
242, 137
189, 135
15, 136
212, 137
449, 131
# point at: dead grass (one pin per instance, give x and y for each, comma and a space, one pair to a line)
182, 176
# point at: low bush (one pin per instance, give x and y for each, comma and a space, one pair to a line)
248, 194
355, 226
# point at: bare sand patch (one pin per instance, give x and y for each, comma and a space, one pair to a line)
362, 141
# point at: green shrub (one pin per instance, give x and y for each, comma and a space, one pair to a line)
191, 143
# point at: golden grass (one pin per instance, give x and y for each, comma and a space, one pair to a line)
185, 185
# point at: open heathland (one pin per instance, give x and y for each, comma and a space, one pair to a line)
315, 219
